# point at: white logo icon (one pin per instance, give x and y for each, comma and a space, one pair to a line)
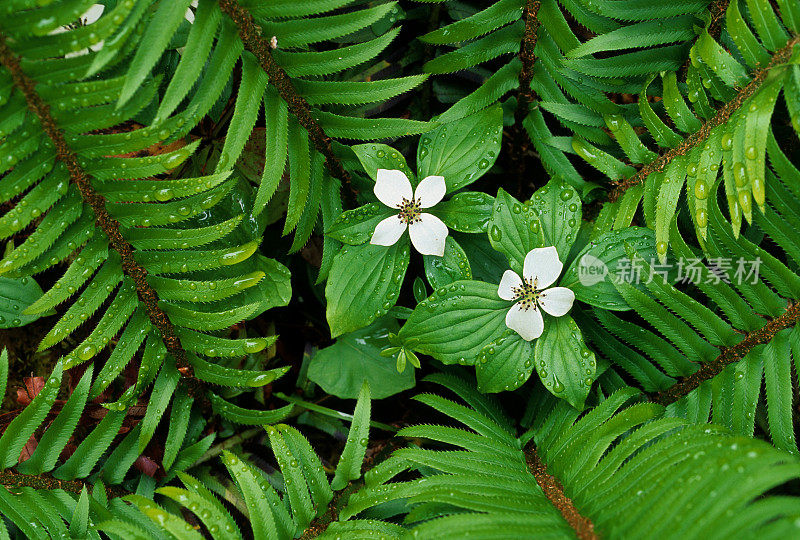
591, 270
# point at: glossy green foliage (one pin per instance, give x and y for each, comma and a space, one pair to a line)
713, 120
423, 167
741, 286
621, 455
178, 229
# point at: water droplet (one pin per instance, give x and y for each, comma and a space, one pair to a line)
164, 194
87, 351
727, 141
701, 217
701, 189
739, 174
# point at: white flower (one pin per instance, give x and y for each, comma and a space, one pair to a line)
540, 270
428, 233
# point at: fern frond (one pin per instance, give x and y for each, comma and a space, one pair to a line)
726, 382
620, 467
118, 227
732, 89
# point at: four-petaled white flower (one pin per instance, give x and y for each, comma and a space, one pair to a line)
540, 270
428, 233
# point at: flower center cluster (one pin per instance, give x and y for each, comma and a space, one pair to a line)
526, 294
410, 211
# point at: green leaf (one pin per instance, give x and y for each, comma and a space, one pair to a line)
514, 229
215, 347
300, 174
504, 364
667, 201
349, 467
456, 322
640, 35
483, 22
356, 92
276, 147
245, 113
58, 433
16, 295
461, 151
778, 381
294, 481
590, 274
467, 212
366, 129
3, 371
355, 227
255, 496
487, 264
94, 445
301, 64
341, 368
206, 22
565, 365
491, 91
22, 427
178, 424
452, 266
363, 284
157, 35
247, 417
558, 209
303, 31
79, 523
381, 156
160, 397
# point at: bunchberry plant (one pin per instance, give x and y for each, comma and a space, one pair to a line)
532, 293
282, 269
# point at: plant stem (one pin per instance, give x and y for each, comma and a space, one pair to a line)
254, 42
525, 95
330, 412
526, 54
12, 479
553, 490
698, 137
717, 17
217, 449
105, 222
728, 356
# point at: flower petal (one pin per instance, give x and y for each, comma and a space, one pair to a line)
428, 234
527, 323
556, 301
543, 265
388, 231
391, 187
509, 282
430, 191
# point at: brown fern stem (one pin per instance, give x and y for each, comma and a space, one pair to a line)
525, 95
554, 491
253, 41
527, 57
13, 480
103, 220
729, 355
716, 17
330, 514
699, 136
